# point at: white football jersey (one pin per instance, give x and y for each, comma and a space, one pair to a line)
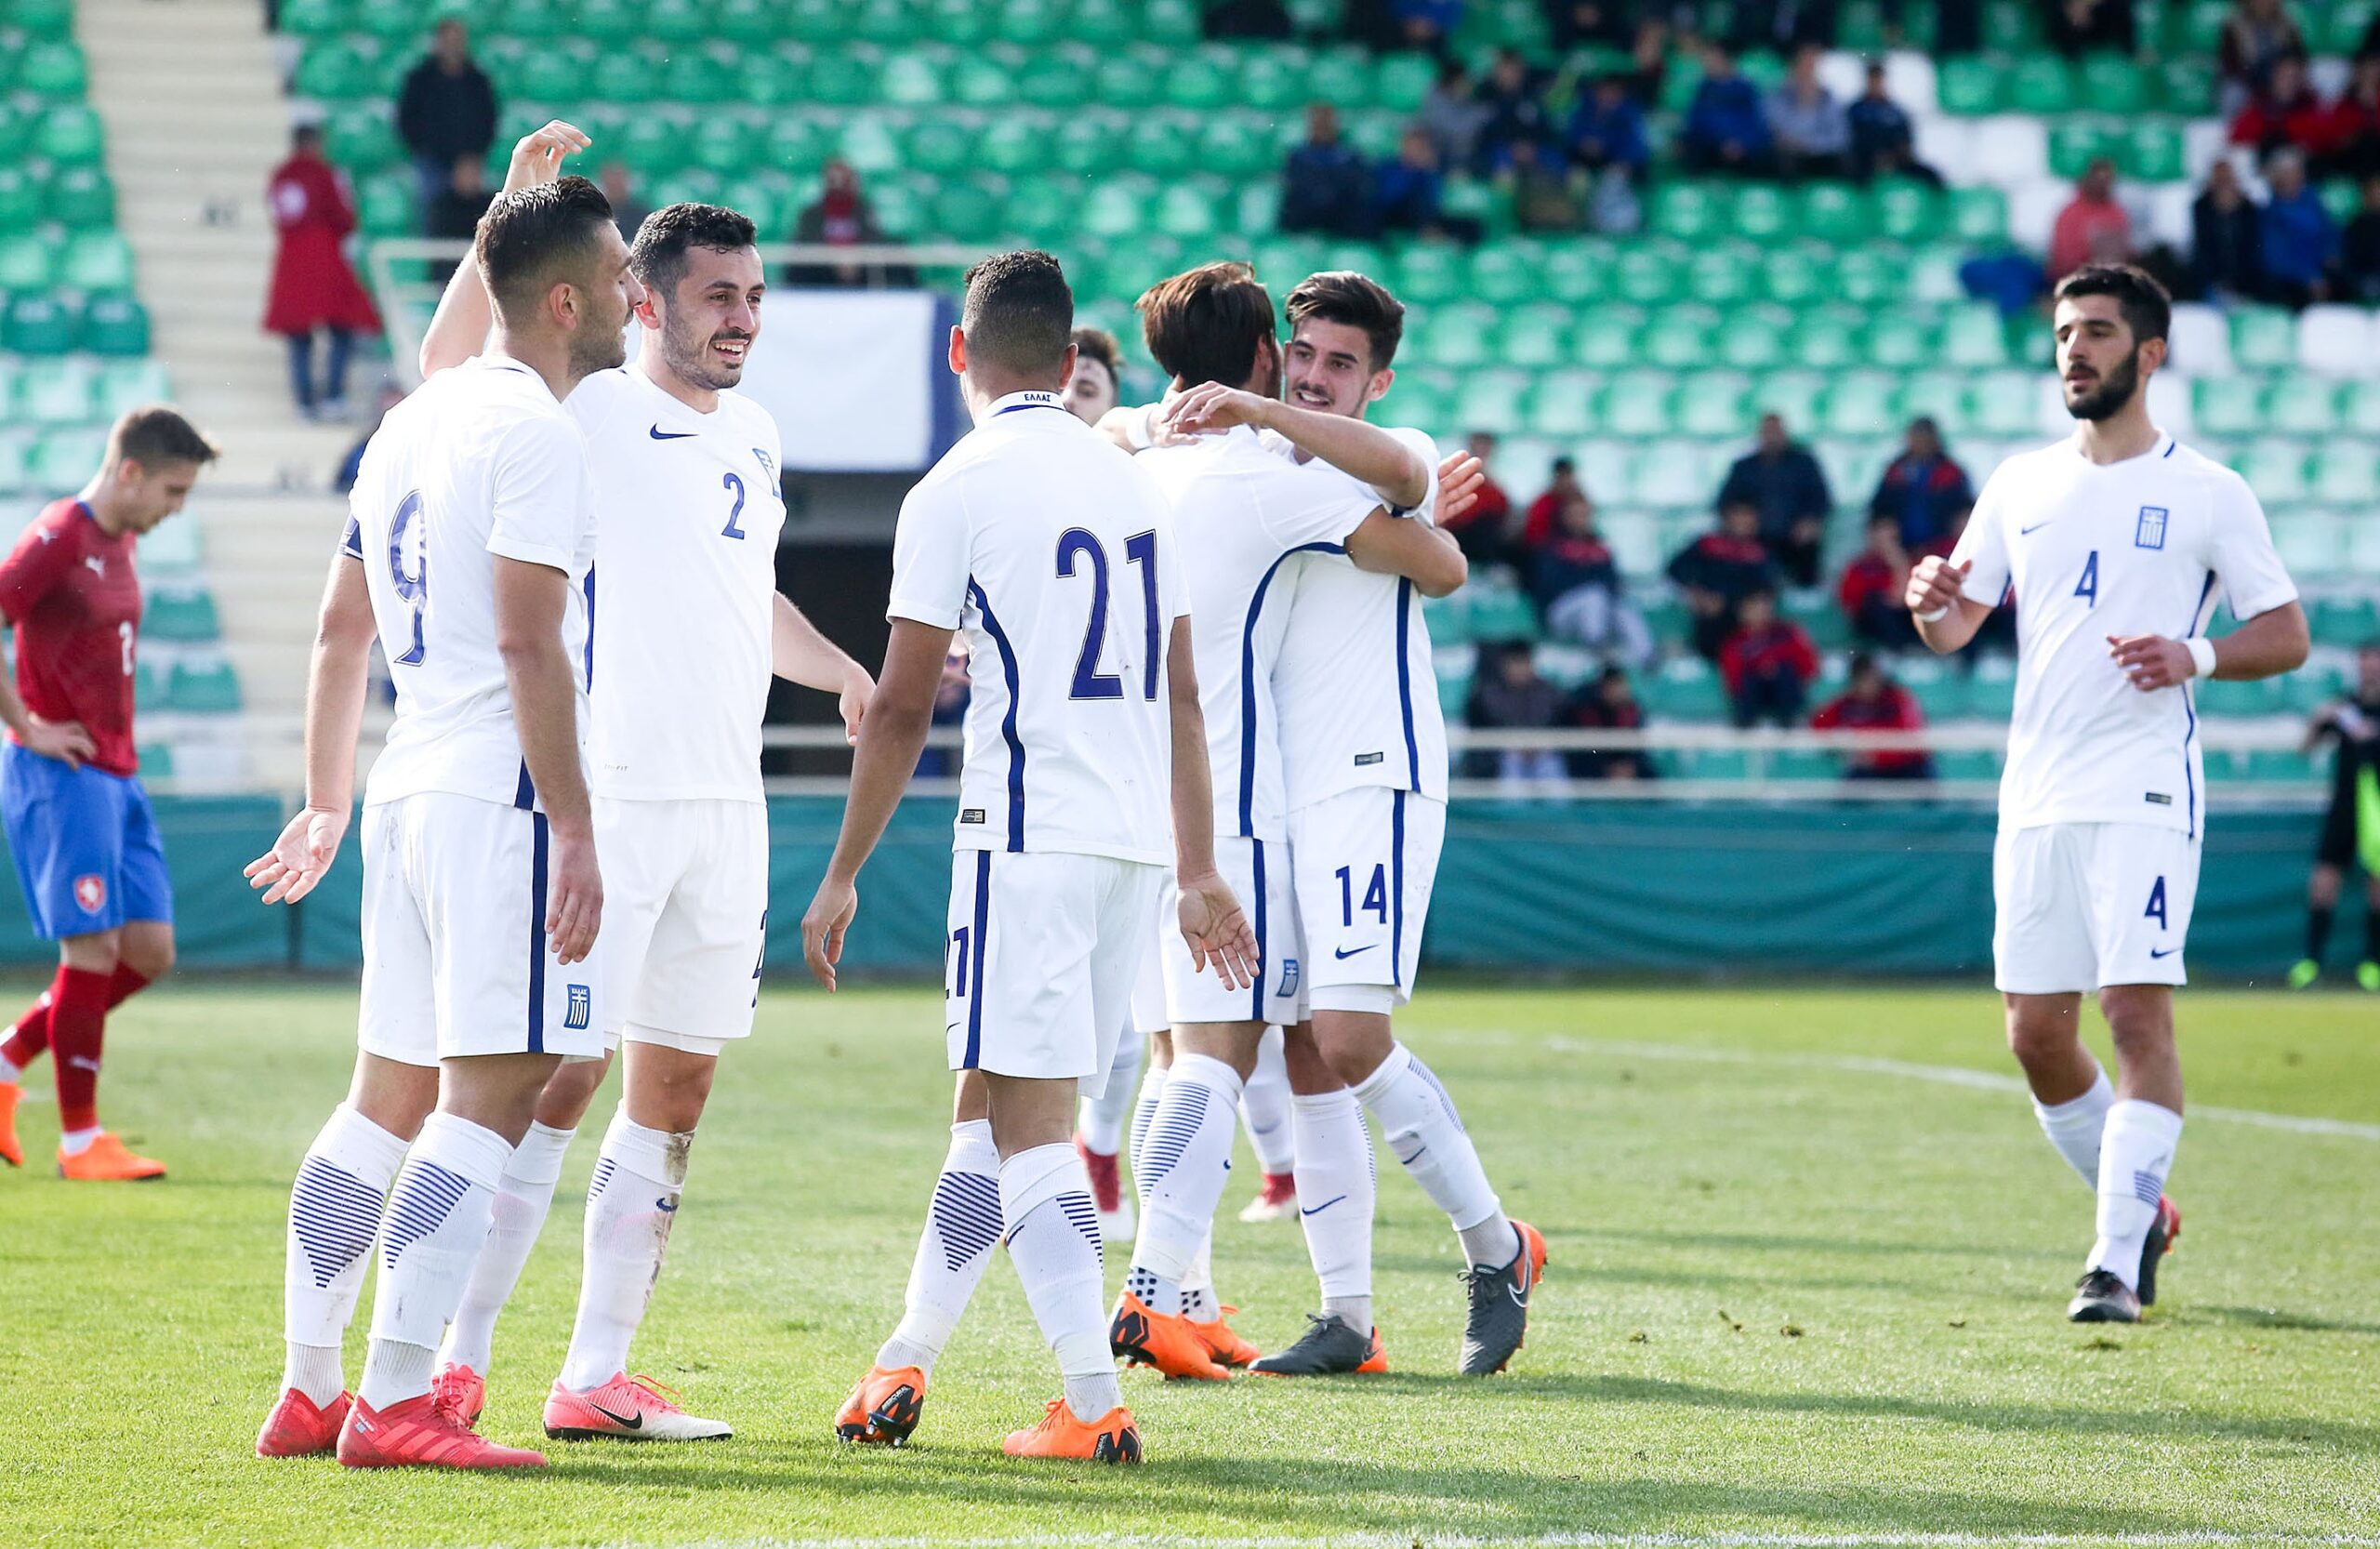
689, 510
1039, 538
1241, 513
1358, 696
481, 461
2146, 546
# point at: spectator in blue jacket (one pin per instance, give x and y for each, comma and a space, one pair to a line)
1407, 193
1922, 486
1811, 131
1607, 130
1514, 95
2300, 242
1884, 141
1326, 187
1426, 24
1727, 128
1780, 480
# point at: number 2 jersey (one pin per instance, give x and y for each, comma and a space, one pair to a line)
481, 462
70, 590
2146, 546
1054, 554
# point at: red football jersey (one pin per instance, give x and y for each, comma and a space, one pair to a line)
71, 593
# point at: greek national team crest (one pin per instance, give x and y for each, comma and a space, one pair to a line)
2150, 532
91, 893
1289, 979
768, 464
582, 1007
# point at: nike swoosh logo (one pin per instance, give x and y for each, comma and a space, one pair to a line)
2166, 953
621, 1419
2034, 528
1520, 1298
666, 1207
1342, 953
660, 434
1324, 1206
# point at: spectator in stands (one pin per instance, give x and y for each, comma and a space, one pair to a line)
1782, 26
1251, 19
1545, 198
1869, 592
1767, 665
1514, 98
1426, 24
2355, 125
1607, 703
1326, 187
628, 210
2226, 238
1784, 483
2094, 226
1884, 141
1510, 695
1575, 578
2360, 249
2255, 34
1875, 703
1808, 127
1571, 24
1409, 194
314, 286
1485, 531
840, 216
1607, 131
1099, 373
1542, 511
445, 110
1453, 114
455, 215
2300, 242
1922, 486
2286, 112
2080, 26
1717, 571
1725, 128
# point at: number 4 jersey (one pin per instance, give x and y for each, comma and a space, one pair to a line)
1054, 554
2143, 547
482, 462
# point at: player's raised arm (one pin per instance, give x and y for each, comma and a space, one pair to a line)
1354, 446
336, 680
1946, 617
531, 602
1426, 555
798, 653
892, 735
460, 325
1212, 919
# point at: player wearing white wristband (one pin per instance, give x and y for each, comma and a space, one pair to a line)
2115, 544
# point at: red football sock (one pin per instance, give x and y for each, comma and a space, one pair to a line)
31, 1035
78, 1020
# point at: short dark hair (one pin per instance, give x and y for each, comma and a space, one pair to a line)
1344, 296
657, 257
156, 434
1019, 314
1208, 323
2146, 306
526, 236
1098, 344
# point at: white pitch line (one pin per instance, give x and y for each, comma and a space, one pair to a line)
1941, 1075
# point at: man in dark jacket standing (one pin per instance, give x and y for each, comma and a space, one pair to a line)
445, 111
1781, 479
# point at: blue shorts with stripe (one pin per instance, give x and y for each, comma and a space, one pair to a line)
85, 845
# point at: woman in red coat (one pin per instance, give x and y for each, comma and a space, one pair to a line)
314, 286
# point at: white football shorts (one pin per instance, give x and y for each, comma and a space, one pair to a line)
1365, 863
1038, 965
2082, 906
455, 961
685, 918
1260, 876
1148, 985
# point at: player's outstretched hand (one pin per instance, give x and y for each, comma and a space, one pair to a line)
852, 703
1205, 410
575, 901
2151, 662
1936, 584
64, 740
538, 156
299, 859
1460, 477
823, 928
1217, 931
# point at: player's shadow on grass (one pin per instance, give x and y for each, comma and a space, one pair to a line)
2265, 1317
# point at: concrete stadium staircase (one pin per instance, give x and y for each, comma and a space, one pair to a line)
191, 94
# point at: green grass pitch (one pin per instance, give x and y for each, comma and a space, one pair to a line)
1810, 1258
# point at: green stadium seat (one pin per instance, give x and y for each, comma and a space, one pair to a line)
1421, 399
2075, 142
2346, 472
40, 18
1566, 406
2151, 150
2263, 339
1978, 215
148, 684
1103, 24
1428, 273
1463, 336
1537, 336
1690, 211
22, 199
677, 22
2345, 620
2276, 471
36, 324
2309, 543
385, 206
202, 688
1117, 208
2307, 406
335, 70
2224, 697
62, 461
1163, 145
1967, 84
2005, 403
181, 613
1835, 212
1794, 276
1939, 393
27, 263
1504, 274
1648, 276
1903, 341
1755, 340
1829, 338
1639, 405
1715, 404
1232, 147
701, 73
628, 75
1867, 276
2042, 85
1725, 275
1401, 81
607, 23
1203, 81
53, 68
15, 448
2113, 84
127, 384
1192, 210
559, 74
1905, 211
2228, 405
56, 392
1578, 271
392, 22
1972, 336
1491, 401
914, 78
114, 325
1794, 396
1861, 403
1501, 612
1685, 689
1454, 694
1762, 212
1682, 338
1606, 337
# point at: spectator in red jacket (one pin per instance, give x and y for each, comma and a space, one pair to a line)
1870, 591
1484, 531
313, 286
1718, 570
2355, 125
1546, 508
2286, 112
1875, 703
1767, 665
2094, 227
1920, 487
1607, 703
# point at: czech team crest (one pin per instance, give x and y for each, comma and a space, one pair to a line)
2150, 532
91, 893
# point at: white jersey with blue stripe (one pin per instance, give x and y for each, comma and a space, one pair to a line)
1055, 556
2143, 547
482, 462
1358, 696
1241, 515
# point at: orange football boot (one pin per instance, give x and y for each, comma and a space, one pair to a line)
108, 1159
1113, 1438
461, 1392
417, 1433
1162, 1340
885, 1407
296, 1429
11, 1152
1375, 1358
1222, 1340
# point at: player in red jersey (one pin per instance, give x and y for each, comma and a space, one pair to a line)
78, 823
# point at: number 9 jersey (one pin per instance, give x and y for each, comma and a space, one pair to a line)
481, 462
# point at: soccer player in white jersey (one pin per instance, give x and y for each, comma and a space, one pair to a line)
2116, 544
1364, 774
471, 535
1057, 557
686, 584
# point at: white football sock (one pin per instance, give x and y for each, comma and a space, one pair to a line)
2074, 1127
1198, 1301
631, 1204
1054, 1239
1264, 1106
9, 1071
1187, 1158
1144, 1114
2135, 1156
1102, 1124
1425, 1136
516, 1216
73, 1143
430, 1234
962, 1223
334, 1212
1338, 1187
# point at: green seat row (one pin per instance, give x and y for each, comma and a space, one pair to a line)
62, 134
889, 22
37, 323
2302, 405
182, 613
90, 261
50, 66
77, 198
48, 20
2047, 84
1843, 214
51, 463
65, 391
